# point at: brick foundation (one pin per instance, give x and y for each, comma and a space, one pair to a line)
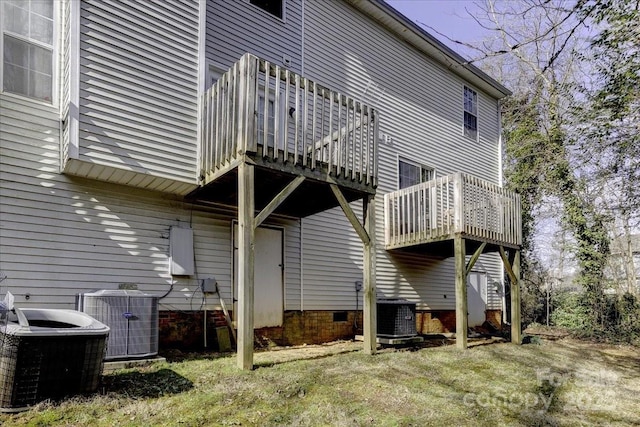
184, 330
313, 327
494, 317
432, 322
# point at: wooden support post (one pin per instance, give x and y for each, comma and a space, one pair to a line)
512, 265
246, 244
461, 291
369, 279
516, 329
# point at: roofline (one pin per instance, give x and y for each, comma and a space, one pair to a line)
408, 31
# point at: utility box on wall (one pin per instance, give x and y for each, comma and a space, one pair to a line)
181, 252
132, 316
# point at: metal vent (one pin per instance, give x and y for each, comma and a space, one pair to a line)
131, 315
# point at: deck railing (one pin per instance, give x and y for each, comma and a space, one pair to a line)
457, 203
263, 109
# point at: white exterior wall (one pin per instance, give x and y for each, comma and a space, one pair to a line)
421, 109
61, 235
138, 92
235, 27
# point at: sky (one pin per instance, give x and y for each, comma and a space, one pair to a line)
449, 17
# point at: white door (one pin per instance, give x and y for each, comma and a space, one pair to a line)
476, 298
268, 291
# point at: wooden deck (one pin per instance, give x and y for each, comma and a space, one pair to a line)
427, 216
273, 141
303, 129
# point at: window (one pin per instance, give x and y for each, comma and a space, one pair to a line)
274, 7
27, 45
411, 174
271, 120
415, 208
470, 113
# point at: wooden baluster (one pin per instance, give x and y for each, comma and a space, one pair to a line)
305, 120
276, 116
351, 135
361, 145
297, 120
227, 108
287, 84
218, 112
314, 124
330, 156
374, 179
367, 142
265, 112
339, 144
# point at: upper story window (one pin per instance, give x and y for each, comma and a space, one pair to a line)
27, 46
274, 7
410, 173
470, 113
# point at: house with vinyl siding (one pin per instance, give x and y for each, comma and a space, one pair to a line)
306, 157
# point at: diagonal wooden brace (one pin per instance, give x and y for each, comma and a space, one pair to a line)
351, 216
474, 258
507, 265
277, 201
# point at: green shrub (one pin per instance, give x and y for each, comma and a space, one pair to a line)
570, 313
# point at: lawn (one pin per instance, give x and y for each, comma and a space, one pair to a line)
562, 382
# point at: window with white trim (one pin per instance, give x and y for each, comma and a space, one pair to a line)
470, 113
273, 7
27, 47
410, 173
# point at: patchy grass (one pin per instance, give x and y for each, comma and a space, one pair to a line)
564, 382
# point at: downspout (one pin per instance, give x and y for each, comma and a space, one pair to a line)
302, 44
301, 266
202, 69
501, 183
302, 36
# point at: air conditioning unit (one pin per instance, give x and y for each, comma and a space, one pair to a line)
396, 318
132, 316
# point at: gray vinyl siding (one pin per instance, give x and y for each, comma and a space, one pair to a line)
139, 86
235, 27
421, 109
62, 235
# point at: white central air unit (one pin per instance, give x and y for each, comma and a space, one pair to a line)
132, 317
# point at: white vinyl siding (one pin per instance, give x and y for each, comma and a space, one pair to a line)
419, 105
139, 88
62, 235
237, 27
